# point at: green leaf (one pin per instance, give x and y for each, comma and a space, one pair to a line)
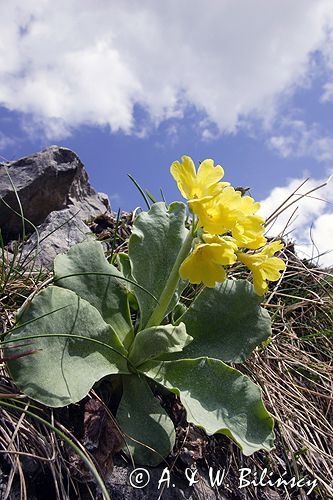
142, 418
152, 342
125, 267
65, 368
154, 245
218, 399
226, 322
107, 293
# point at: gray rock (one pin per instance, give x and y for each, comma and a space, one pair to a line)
105, 200
51, 180
61, 230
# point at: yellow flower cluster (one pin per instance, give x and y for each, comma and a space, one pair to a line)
229, 222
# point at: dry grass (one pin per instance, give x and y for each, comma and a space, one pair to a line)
20, 437
295, 369
295, 372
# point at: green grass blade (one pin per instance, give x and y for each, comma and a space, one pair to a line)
111, 275
151, 197
140, 190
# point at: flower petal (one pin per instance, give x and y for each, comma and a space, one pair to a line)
184, 174
208, 174
202, 185
264, 266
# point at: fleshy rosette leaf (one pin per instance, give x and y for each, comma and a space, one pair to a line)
63, 369
152, 342
149, 431
218, 399
226, 322
105, 290
156, 240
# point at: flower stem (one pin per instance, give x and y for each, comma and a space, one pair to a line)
160, 310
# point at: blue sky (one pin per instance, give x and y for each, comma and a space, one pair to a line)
133, 86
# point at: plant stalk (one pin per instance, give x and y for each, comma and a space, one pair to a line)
160, 310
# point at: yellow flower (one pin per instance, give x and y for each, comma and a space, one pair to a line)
264, 266
248, 232
204, 264
229, 211
218, 214
272, 248
201, 185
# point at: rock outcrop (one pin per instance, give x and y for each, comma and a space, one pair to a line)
52, 191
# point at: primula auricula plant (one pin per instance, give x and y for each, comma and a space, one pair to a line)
83, 331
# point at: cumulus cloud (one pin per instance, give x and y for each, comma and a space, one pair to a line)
308, 221
65, 64
299, 139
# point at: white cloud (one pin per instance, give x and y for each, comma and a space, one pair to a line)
328, 92
322, 236
207, 135
5, 141
207, 129
282, 144
312, 223
327, 53
299, 139
87, 62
